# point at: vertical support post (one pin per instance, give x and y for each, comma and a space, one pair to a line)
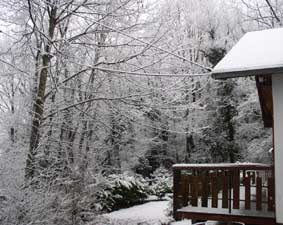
185, 189
230, 191
226, 190
258, 193
236, 189
205, 187
270, 195
176, 181
247, 183
195, 190
214, 190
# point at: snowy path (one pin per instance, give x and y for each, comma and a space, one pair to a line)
151, 213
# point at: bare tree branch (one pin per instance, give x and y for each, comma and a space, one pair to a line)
273, 11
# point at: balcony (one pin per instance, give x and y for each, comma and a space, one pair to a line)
224, 192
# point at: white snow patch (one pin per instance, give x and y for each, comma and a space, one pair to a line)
183, 222
189, 222
153, 213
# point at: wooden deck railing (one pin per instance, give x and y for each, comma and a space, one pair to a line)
233, 187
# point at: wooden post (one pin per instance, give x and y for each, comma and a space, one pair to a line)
258, 193
185, 189
236, 189
214, 191
205, 187
270, 195
247, 183
225, 189
195, 187
176, 182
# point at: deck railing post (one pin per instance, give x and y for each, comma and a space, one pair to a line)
236, 189
185, 189
247, 184
176, 183
195, 190
214, 190
226, 186
230, 191
258, 194
205, 189
271, 194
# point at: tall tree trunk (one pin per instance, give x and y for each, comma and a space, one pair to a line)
12, 129
39, 102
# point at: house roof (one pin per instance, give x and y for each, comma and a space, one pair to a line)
257, 53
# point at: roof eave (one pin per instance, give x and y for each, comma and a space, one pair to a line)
245, 73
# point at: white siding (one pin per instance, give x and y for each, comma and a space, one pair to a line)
277, 90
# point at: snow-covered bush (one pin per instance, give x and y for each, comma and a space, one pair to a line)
121, 191
162, 182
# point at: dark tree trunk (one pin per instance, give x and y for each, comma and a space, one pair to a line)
38, 106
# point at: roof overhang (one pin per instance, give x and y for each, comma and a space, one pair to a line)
220, 75
256, 53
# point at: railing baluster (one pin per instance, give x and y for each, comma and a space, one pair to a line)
247, 183
185, 190
270, 184
236, 189
225, 189
258, 193
254, 177
205, 187
176, 183
214, 190
195, 186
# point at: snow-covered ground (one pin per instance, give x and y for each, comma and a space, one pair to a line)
151, 213
184, 222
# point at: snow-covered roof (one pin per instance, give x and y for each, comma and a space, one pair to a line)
257, 53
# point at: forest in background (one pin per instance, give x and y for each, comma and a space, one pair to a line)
95, 91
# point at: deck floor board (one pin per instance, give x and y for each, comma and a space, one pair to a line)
220, 211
